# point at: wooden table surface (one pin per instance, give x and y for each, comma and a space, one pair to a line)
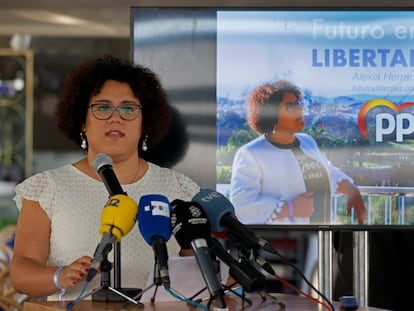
291, 302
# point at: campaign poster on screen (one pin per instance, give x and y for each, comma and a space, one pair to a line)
355, 70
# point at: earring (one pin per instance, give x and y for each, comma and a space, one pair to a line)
144, 143
84, 143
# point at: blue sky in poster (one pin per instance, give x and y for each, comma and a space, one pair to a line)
332, 53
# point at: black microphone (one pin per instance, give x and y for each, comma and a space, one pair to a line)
102, 163
245, 248
191, 227
242, 271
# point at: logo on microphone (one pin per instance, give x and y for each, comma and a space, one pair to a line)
195, 211
210, 196
158, 208
112, 202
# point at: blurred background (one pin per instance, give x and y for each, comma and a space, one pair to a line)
39, 42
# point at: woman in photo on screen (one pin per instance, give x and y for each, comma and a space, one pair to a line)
107, 106
267, 172
282, 177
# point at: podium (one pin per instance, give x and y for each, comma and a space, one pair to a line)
234, 303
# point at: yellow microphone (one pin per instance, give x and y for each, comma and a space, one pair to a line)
117, 219
118, 216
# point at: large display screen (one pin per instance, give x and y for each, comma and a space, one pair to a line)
355, 69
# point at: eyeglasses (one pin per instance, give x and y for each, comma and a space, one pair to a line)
293, 107
103, 111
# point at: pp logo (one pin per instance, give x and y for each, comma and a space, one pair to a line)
387, 123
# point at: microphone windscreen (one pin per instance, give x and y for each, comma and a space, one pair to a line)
215, 205
188, 222
154, 215
118, 216
102, 163
100, 160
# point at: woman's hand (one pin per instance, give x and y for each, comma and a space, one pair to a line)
354, 200
74, 273
303, 205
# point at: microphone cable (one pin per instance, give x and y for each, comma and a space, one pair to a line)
247, 252
328, 305
80, 296
188, 301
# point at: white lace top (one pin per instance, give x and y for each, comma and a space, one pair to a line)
73, 201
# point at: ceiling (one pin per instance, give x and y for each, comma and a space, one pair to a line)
65, 18
111, 18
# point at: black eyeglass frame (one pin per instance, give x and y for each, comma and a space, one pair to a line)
113, 109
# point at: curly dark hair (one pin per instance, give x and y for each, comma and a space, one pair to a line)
263, 104
87, 79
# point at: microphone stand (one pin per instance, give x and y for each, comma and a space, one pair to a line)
228, 288
242, 296
248, 254
157, 281
113, 294
220, 304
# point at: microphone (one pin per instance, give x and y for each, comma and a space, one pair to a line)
245, 248
117, 219
191, 227
242, 271
118, 215
102, 163
154, 225
220, 213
